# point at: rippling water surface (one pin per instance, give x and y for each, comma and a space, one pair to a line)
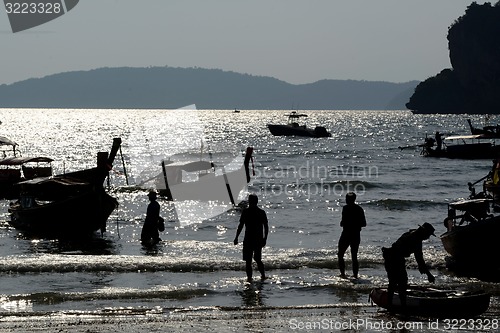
301, 184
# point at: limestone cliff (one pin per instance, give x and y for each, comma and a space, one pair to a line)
473, 84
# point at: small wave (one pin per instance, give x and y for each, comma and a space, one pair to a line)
197, 259
355, 183
60, 297
300, 307
334, 287
400, 204
125, 264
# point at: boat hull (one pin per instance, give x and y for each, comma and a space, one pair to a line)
475, 242
466, 151
72, 217
289, 130
72, 205
435, 303
7, 181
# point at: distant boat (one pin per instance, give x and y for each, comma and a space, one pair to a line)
292, 128
466, 147
70, 205
436, 303
486, 131
236, 111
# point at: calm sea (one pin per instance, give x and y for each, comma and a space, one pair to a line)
301, 183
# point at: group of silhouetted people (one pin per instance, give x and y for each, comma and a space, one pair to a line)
255, 222
353, 219
253, 219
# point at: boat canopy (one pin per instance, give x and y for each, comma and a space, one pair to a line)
460, 137
191, 166
12, 161
54, 188
6, 142
54, 181
465, 205
294, 114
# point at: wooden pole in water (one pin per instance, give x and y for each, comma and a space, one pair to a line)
167, 189
123, 164
228, 187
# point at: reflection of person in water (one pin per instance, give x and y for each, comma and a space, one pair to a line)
353, 219
252, 295
149, 233
256, 226
394, 260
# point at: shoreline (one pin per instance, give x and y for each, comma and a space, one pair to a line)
329, 317
214, 319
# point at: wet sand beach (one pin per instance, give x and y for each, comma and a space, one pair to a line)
321, 318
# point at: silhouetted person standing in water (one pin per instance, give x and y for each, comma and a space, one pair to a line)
149, 233
394, 260
353, 219
256, 230
439, 141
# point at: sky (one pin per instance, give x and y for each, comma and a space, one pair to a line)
297, 41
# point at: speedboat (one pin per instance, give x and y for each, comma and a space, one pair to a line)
292, 128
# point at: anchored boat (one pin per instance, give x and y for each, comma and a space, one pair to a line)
489, 131
14, 168
474, 146
472, 227
292, 128
472, 234
69, 205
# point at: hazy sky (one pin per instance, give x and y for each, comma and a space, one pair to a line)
295, 41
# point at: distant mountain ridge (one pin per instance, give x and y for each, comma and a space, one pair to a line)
170, 87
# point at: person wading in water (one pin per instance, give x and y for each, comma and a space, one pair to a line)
256, 226
353, 219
